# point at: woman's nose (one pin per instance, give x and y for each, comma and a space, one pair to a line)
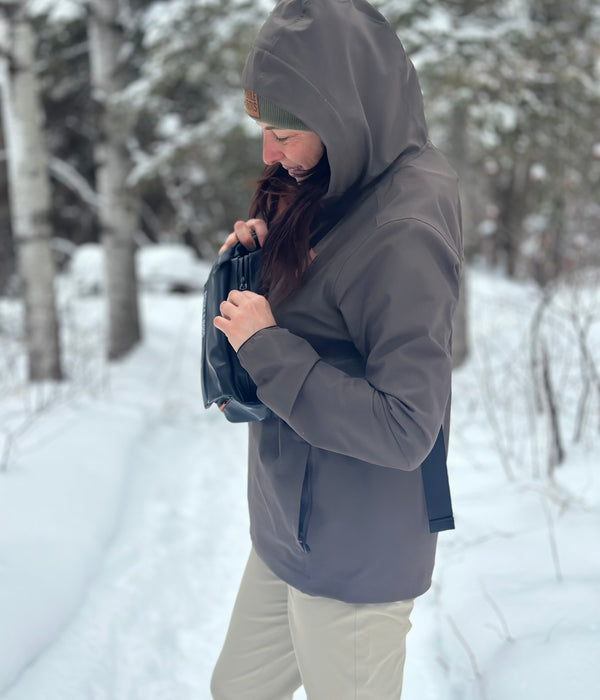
271, 153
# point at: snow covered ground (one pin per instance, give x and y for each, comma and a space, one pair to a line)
123, 524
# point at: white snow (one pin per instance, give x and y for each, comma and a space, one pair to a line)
124, 531
87, 269
170, 266
159, 269
58, 12
538, 172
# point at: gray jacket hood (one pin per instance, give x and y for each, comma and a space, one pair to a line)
309, 58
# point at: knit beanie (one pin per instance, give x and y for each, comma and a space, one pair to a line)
265, 110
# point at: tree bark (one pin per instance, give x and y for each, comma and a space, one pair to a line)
117, 207
511, 193
29, 189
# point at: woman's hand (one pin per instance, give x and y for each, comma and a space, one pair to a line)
242, 315
248, 233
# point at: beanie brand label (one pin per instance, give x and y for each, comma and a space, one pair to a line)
251, 102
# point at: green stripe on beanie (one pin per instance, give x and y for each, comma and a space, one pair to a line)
269, 112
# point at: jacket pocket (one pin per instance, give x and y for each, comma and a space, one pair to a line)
305, 507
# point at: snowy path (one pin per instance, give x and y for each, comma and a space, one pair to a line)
153, 619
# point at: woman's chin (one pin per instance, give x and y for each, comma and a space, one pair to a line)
298, 174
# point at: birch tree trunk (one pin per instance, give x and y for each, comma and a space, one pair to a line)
29, 189
117, 211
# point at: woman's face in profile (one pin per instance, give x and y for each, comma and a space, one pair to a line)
296, 151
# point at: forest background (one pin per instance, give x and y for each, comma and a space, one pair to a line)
122, 124
124, 142
511, 91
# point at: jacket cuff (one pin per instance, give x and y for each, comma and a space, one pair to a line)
252, 336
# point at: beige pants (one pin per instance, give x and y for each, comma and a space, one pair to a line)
280, 638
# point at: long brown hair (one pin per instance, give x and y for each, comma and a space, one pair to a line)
289, 210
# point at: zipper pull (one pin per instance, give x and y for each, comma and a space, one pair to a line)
243, 285
303, 545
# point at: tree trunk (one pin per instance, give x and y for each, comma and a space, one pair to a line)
511, 195
117, 207
29, 189
7, 252
460, 338
457, 152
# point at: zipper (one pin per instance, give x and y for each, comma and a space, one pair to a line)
243, 285
305, 508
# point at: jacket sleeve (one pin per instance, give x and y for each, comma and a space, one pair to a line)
397, 294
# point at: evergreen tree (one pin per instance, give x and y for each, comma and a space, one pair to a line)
522, 78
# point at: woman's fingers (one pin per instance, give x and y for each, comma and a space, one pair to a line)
242, 315
244, 234
223, 309
251, 234
231, 240
260, 229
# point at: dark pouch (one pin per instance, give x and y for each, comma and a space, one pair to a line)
224, 380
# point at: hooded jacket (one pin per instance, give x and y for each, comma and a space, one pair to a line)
358, 369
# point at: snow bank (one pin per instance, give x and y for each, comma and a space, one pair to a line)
517, 593
160, 268
168, 268
59, 506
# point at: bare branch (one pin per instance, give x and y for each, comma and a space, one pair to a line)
552, 538
496, 608
470, 654
557, 452
66, 174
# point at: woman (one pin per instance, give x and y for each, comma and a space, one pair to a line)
350, 347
